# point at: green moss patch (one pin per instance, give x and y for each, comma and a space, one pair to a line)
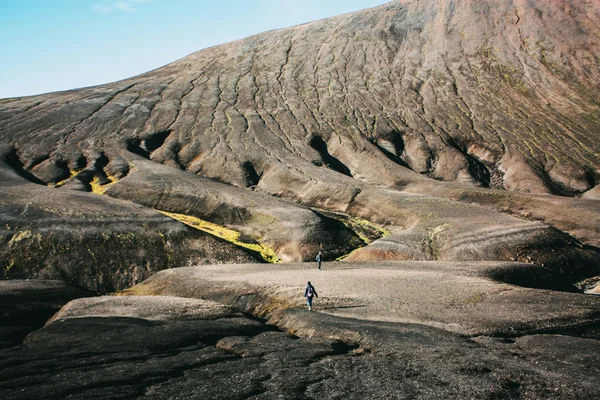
224, 233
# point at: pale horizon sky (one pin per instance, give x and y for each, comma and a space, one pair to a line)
53, 45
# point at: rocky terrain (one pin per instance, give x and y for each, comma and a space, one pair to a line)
189, 333
458, 130
447, 153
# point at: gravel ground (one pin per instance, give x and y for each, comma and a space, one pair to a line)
457, 297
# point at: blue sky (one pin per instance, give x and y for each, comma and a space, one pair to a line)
50, 45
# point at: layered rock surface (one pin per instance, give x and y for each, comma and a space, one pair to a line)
26, 306
465, 298
460, 91
447, 151
95, 242
391, 330
397, 115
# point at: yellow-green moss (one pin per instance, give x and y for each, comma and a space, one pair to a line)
224, 233
23, 235
435, 232
72, 173
95, 184
11, 263
99, 188
125, 236
366, 225
360, 227
263, 219
342, 257
432, 236
475, 299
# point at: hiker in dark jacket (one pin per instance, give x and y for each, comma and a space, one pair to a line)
309, 293
319, 259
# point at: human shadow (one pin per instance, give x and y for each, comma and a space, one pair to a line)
341, 307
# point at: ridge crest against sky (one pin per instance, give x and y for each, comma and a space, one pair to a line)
65, 44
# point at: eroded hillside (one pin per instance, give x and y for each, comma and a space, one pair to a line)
446, 152
423, 130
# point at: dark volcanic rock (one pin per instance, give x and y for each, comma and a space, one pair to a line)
94, 242
456, 133
233, 357
26, 306
353, 114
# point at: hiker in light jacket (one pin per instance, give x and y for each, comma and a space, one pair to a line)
309, 293
319, 259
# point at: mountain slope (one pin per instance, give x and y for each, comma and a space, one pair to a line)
357, 114
445, 86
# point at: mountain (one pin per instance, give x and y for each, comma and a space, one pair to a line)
446, 152
417, 130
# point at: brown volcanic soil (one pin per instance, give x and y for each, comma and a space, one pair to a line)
364, 114
95, 242
515, 342
456, 139
459, 91
457, 297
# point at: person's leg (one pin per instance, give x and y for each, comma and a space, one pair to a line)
309, 301
319, 264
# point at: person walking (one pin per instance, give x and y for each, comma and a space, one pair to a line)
319, 259
309, 293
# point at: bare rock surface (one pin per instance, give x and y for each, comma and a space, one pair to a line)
94, 242
447, 151
294, 232
173, 347
465, 130
151, 308
26, 305
458, 297
455, 90
364, 114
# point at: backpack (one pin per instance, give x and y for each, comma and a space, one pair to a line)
310, 292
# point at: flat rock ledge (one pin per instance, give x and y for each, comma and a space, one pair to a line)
459, 297
150, 308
